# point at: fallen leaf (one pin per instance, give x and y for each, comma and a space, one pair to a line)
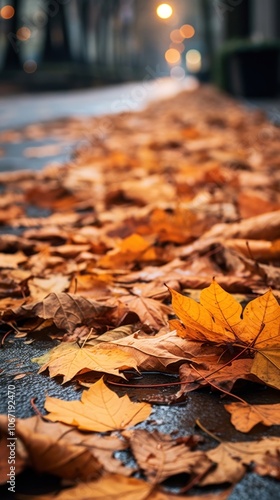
219, 374
44, 447
233, 459
12, 261
109, 487
99, 410
150, 311
266, 366
67, 311
244, 416
68, 359
41, 287
160, 456
157, 352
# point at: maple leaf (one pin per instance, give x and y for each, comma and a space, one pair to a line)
245, 416
68, 359
160, 457
100, 410
217, 319
233, 459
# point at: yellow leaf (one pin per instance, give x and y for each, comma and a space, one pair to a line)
266, 366
224, 308
68, 359
197, 317
218, 318
244, 416
99, 410
261, 323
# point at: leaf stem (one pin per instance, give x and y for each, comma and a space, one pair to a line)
219, 388
199, 424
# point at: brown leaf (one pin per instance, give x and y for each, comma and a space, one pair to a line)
219, 374
160, 457
159, 351
100, 410
67, 311
234, 458
109, 487
150, 311
244, 416
44, 447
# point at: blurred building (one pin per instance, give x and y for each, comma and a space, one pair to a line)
68, 43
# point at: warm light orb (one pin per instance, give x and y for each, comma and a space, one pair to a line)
178, 46
7, 12
176, 36
23, 33
172, 56
164, 10
187, 31
193, 60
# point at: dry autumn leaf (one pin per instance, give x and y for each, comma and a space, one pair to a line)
244, 416
99, 410
157, 352
67, 311
233, 459
160, 457
150, 311
266, 366
218, 317
68, 359
44, 447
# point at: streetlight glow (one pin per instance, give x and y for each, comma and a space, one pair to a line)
164, 10
193, 60
172, 56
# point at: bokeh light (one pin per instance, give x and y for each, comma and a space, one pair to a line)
7, 12
177, 72
178, 46
176, 37
30, 66
187, 31
23, 33
164, 10
172, 56
193, 60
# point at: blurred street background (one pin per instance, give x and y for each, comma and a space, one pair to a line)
66, 44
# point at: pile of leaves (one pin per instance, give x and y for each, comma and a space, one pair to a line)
134, 227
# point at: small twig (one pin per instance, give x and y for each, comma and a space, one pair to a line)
86, 339
4, 337
35, 408
199, 424
142, 386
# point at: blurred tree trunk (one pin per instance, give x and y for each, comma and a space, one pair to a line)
57, 46
12, 60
